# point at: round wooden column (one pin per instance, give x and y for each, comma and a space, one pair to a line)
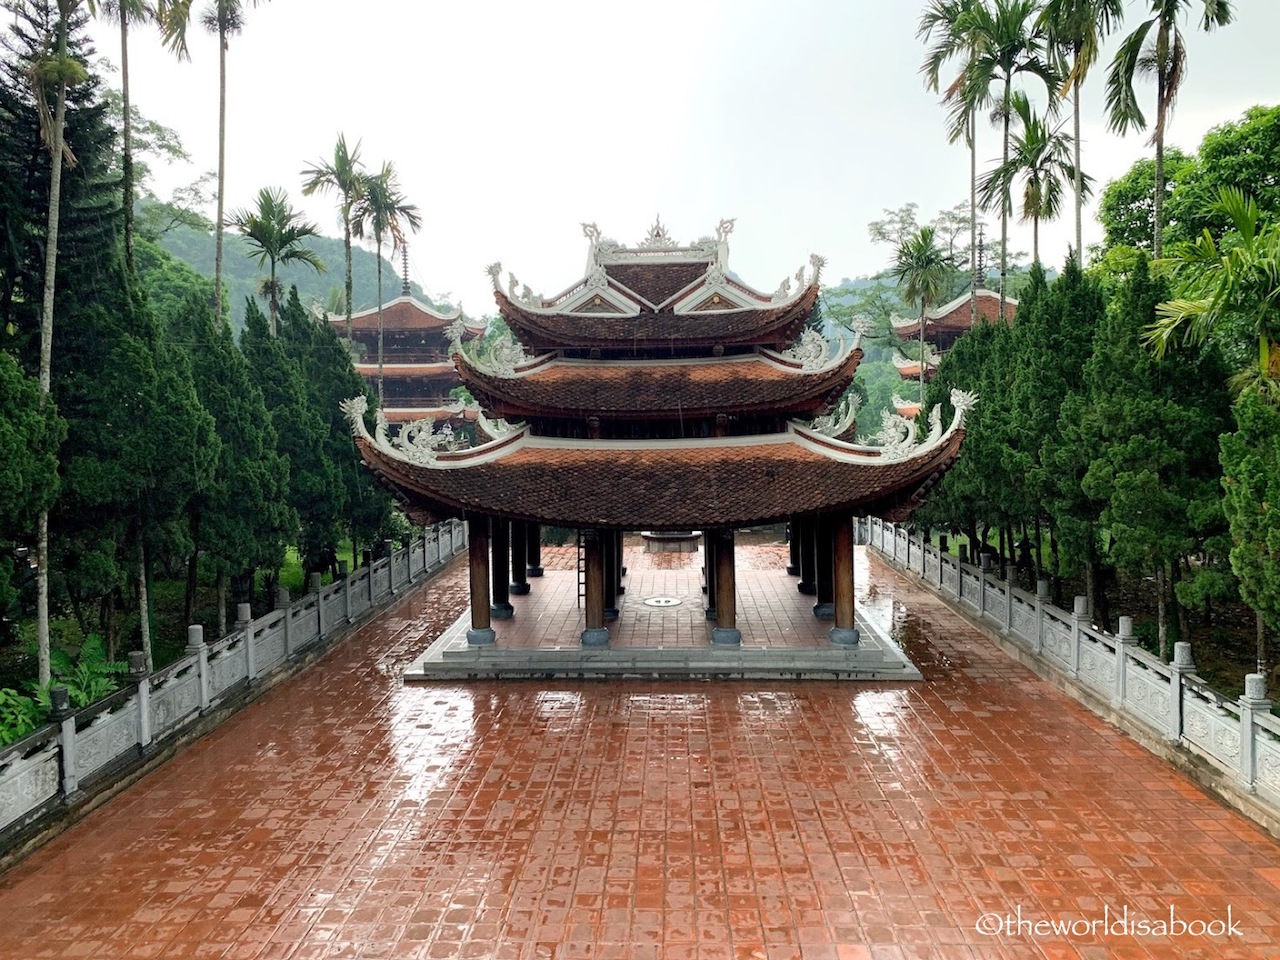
612, 572
726, 632
595, 634
806, 547
793, 547
500, 537
533, 551
709, 542
824, 567
519, 551
845, 631
480, 634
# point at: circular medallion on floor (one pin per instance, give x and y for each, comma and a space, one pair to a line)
661, 601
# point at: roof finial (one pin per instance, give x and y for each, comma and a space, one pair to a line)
980, 269
404, 260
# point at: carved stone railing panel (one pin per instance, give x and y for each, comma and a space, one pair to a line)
228, 668
109, 736
29, 776
175, 701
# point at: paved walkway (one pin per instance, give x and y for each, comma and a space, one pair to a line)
345, 815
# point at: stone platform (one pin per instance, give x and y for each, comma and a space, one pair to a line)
662, 631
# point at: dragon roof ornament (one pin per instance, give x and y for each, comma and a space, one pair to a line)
841, 418
810, 349
419, 442
895, 438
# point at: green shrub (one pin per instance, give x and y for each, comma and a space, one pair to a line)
19, 715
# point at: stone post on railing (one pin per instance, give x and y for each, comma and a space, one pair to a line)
1253, 702
924, 554
283, 604
60, 712
1125, 640
1181, 666
138, 674
389, 550
1079, 617
1042, 600
314, 586
196, 648
1009, 587
342, 570
984, 565
244, 624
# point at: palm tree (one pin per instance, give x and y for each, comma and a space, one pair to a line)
383, 212
346, 176
1156, 47
923, 270
125, 12
1078, 28
947, 22
226, 19
60, 71
1039, 157
1006, 43
1220, 285
276, 230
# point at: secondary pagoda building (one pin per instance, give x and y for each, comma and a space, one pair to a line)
417, 372
659, 392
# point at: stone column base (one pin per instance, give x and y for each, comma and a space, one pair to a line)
610, 613
502, 611
844, 636
483, 637
726, 637
595, 637
808, 589
518, 589
533, 571
824, 611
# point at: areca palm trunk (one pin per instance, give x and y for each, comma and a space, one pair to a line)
346, 249
923, 306
222, 162
973, 216
381, 405
57, 145
1157, 202
1079, 175
275, 301
126, 165
1035, 238
1004, 204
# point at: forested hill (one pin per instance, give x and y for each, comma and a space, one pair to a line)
241, 273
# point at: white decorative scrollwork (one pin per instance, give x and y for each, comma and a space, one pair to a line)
512, 283
862, 325
895, 438
963, 401
494, 270
810, 349
354, 409
527, 296
899, 403
817, 262
380, 427
419, 443
502, 357
497, 429
597, 279
456, 331
800, 284
591, 232
658, 238
841, 418
784, 290
724, 228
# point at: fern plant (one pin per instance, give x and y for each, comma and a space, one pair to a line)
19, 715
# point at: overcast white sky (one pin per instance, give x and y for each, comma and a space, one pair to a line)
510, 123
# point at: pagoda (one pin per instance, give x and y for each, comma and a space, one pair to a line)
416, 370
660, 392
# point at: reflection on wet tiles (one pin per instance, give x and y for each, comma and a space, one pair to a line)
344, 815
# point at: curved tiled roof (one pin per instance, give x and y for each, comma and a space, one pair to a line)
661, 329
664, 484
630, 388
958, 314
403, 313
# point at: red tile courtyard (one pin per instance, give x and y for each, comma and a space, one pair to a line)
345, 814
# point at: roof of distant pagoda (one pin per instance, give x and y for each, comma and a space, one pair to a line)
658, 294
664, 484
437, 369
958, 314
406, 312
805, 379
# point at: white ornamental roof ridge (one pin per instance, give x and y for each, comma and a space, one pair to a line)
938, 313
454, 314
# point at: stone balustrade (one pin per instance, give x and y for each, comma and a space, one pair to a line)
1168, 702
79, 753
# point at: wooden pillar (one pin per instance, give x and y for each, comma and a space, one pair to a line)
533, 551
709, 570
793, 545
622, 567
500, 543
824, 567
595, 634
519, 551
845, 631
480, 634
726, 632
808, 557
612, 572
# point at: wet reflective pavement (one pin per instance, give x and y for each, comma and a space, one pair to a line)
346, 815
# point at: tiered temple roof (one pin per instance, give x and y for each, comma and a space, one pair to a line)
660, 391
